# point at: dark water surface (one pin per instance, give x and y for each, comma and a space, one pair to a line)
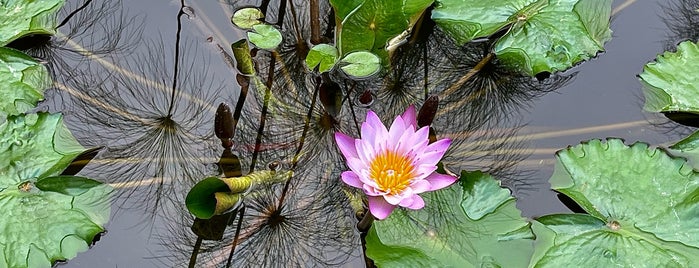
154, 158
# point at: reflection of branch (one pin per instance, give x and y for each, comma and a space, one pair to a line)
315, 22
67, 18
621, 7
175, 72
467, 76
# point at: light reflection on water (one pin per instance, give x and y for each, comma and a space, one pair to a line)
158, 144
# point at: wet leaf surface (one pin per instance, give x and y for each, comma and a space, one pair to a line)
22, 82
544, 36
670, 83
476, 210
45, 218
21, 18
642, 205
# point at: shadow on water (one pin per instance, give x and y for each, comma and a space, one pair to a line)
153, 111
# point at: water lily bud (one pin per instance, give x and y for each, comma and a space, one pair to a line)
223, 125
427, 112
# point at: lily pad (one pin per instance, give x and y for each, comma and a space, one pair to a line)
53, 222
670, 83
21, 18
361, 64
22, 82
323, 56
642, 206
474, 223
543, 35
370, 24
246, 18
265, 36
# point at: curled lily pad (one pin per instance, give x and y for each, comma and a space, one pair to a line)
246, 18
474, 223
21, 18
361, 64
642, 206
670, 83
45, 218
22, 82
323, 56
370, 24
541, 36
265, 36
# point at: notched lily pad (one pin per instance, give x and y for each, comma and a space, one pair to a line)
265, 36
453, 230
370, 24
360, 64
323, 56
46, 218
642, 206
22, 82
543, 36
246, 18
670, 83
20, 18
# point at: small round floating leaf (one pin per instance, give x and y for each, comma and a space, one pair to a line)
670, 83
246, 18
265, 36
323, 55
201, 200
67, 185
360, 64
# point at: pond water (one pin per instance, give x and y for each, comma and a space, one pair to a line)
157, 143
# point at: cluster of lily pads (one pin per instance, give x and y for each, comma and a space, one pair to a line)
638, 212
48, 215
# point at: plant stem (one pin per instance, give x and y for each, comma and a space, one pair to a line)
315, 22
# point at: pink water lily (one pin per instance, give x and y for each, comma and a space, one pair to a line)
393, 166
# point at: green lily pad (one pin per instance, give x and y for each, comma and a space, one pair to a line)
361, 64
370, 24
265, 36
454, 229
246, 18
22, 82
642, 204
323, 55
45, 218
544, 36
21, 18
670, 83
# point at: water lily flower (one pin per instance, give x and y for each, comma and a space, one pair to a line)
393, 166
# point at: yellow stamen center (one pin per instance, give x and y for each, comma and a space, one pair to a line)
391, 171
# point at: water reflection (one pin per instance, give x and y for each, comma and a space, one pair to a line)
156, 123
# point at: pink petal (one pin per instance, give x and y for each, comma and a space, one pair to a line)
416, 202
421, 186
373, 130
393, 199
410, 117
346, 145
439, 181
379, 207
397, 129
351, 179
